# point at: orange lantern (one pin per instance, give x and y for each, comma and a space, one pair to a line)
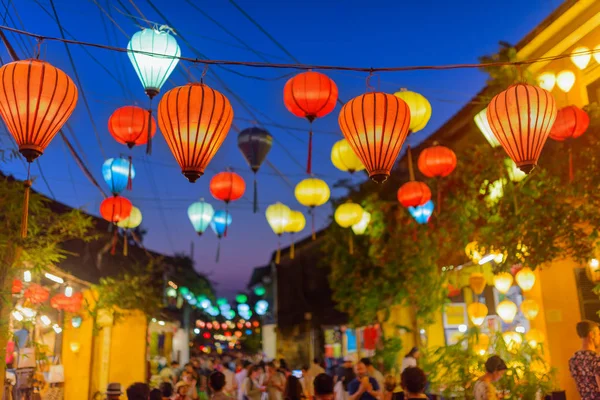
477, 282
129, 125
477, 313
571, 122
437, 161
17, 286
376, 125
414, 194
521, 118
310, 95
194, 119
115, 209
530, 309
227, 186
36, 294
36, 101
69, 304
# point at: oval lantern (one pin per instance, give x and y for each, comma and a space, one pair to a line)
414, 194
255, 143
547, 81
530, 309
343, 157
346, 215
565, 80
484, 126
503, 282
422, 213
525, 279
477, 313
310, 95
361, 226
507, 311
581, 57
521, 118
194, 119
437, 161
311, 193
481, 344
227, 186
154, 54
129, 125
219, 224
477, 282
36, 294
36, 101
278, 217
376, 125
115, 209
420, 109
296, 224
200, 214
118, 174
571, 122
133, 221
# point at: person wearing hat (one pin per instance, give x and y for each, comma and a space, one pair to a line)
181, 391
113, 391
484, 388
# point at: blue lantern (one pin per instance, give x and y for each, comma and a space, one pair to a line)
118, 173
213, 311
205, 303
243, 308
220, 221
200, 214
421, 214
261, 307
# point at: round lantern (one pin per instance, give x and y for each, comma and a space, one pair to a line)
312, 192
530, 309
115, 209
525, 279
194, 119
360, 227
571, 122
413, 194
129, 125
521, 118
474, 251
477, 313
507, 311
477, 282
376, 125
565, 80
310, 95
581, 57
154, 54
17, 286
278, 217
200, 214
547, 81
481, 344
227, 186
592, 270
513, 340
484, 126
343, 157
503, 282
422, 213
534, 337
420, 109
346, 215
296, 224
36, 294
118, 174
220, 222
133, 221
437, 161
255, 143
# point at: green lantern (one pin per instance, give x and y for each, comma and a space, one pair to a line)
184, 291
221, 301
260, 290
241, 298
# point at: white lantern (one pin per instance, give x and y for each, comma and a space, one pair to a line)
547, 80
484, 126
565, 80
581, 57
507, 310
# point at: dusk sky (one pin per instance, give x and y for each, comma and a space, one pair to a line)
376, 33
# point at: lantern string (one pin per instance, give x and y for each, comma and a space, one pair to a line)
115, 239
350, 242
218, 251
368, 81
125, 243
312, 218
25, 217
411, 171
149, 141
309, 159
292, 248
278, 254
226, 218
129, 178
255, 200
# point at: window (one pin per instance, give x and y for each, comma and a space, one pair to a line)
593, 91
589, 302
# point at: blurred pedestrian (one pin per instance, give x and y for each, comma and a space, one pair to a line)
389, 385
413, 381
230, 388
138, 391
346, 376
373, 372
113, 391
585, 363
241, 373
182, 389
253, 389
410, 359
293, 389
494, 369
217, 382
274, 382
363, 387
323, 387
166, 390
155, 394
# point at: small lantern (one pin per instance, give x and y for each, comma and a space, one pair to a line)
581, 57
421, 214
525, 279
420, 109
534, 337
565, 80
477, 313
507, 311
344, 158
513, 340
547, 81
530, 309
484, 126
503, 281
361, 227
477, 282
346, 215
200, 214
593, 270
481, 344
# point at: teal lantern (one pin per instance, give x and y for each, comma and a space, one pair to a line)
220, 221
261, 307
200, 214
221, 301
260, 290
421, 214
241, 298
118, 174
154, 54
184, 291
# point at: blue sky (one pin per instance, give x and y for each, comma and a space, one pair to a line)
351, 33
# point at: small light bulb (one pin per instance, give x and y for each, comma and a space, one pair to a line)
520, 329
161, 323
68, 291
462, 328
196, 331
45, 320
27, 276
57, 328
17, 315
594, 263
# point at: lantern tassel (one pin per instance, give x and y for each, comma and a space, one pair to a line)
129, 180
312, 218
309, 160
226, 218
571, 173
255, 196
439, 197
278, 254
25, 217
292, 249
149, 142
218, 251
115, 239
125, 244
411, 171
350, 242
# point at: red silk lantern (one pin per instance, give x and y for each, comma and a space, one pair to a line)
36, 294
115, 209
69, 304
521, 118
310, 95
17, 286
571, 122
413, 194
376, 125
194, 119
437, 161
129, 125
227, 186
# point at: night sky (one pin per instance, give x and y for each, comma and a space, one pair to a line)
376, 33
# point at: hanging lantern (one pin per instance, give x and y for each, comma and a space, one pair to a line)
420, 109
133, 220
437, 161
534, 337
530, 309
36, 101
547, 81
514, 173
36, 294
525, 279
278, 217
255, 143
312, 192
376, 125
513, 340
343, 157
71, 304
154, 54
521, 118
581, 57
474, 251
296, 224
219, 224
129, 125
115, 209
310, 95
194, 119
200, 214
360, 227
481, 344
477, 313
423, 213
503, 282
227, 186
477, 282
507, 311
453, 291
17, 286
118, 174
565, 80
414, 194
484, 126
597, 53
346, 215
571, 122
592, 270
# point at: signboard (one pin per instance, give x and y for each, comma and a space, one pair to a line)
455, 314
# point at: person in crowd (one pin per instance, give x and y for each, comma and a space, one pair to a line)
389, 386
342, 369
413, 381
138, 391
188, 377
241, 373
253, 389
230, 383
305, 382
274, 382
344, 377
155, 394
113, 391
410, 359
484, 388
166, 390
323, 387
309, 376
170, 374
293, 389
585, 363
217, 383
363, 387
182, 388
373, 372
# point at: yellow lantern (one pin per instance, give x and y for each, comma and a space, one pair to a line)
534, 337
481, 344
420, 109
312, 192
477, 313
513, 340
346, 215
547, 80
597, 54
360, 227
477, 282
507, 310
514, 173
503, 281
296, 224
593, 270
525, 279
530, 309
278, 216
133, 221
484, 126
565, 80
344, 158
581, 57
474, 252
